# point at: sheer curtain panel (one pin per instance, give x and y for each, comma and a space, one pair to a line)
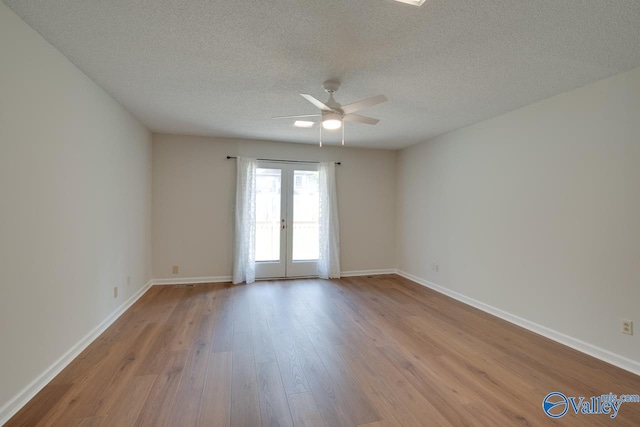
329, 257
244, 256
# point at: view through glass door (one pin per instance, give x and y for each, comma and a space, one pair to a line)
287, 210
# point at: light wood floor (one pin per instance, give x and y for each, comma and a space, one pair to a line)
373, 352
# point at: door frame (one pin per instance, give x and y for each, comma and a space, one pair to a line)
286, 267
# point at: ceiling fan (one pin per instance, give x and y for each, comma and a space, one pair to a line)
333, 115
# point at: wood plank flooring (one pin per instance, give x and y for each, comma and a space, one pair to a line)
367, 351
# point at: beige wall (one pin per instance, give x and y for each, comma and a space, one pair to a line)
75, 176
536, 212
194, 192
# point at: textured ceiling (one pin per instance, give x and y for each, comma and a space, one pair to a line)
223, 68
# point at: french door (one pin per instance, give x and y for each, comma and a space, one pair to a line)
287, 210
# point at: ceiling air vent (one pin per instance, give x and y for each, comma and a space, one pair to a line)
413, 2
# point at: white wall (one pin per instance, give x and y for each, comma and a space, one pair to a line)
75, 176
194, 193
536, 212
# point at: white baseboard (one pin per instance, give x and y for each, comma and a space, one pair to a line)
584, 347
222, 279
191, 280
367, 272
10, 408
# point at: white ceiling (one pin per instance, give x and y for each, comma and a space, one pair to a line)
223, 68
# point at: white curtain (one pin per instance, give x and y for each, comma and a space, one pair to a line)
329, 259
244, 256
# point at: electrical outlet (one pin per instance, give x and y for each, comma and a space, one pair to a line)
627, 326
176, 269
128, 280
115, 292
437, 268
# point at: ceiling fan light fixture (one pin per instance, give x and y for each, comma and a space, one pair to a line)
331, 124
303, 124
412, 2
331, 121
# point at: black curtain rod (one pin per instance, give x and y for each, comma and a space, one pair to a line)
282, 160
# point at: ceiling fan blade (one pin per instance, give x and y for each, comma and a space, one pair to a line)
365, 103
317, 103
297, 116
360, 119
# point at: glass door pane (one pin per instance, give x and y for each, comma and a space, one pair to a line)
268, 215
306, 199
303, 211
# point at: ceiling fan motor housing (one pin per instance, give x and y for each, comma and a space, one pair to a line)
330, 86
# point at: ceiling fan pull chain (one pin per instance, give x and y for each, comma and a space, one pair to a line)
343, 132
320, 134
